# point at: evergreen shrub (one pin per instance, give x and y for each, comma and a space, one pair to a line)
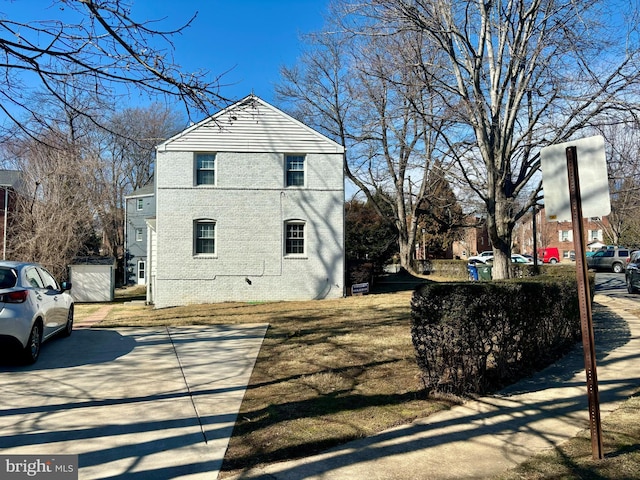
476, 337
457, 269
359, 271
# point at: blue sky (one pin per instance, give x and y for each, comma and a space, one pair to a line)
252, 38
249, 39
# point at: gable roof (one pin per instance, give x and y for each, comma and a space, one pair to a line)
251, 125
11, 178
144, 191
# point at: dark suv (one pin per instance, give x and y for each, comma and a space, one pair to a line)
632, 273
609, 258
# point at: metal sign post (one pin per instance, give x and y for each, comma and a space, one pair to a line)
584, 299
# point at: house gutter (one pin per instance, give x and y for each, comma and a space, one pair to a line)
4, 230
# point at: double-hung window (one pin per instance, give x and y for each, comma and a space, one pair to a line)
205, 168
205, 237
140, 204
139, 234
595, 235
294, 242
295, 170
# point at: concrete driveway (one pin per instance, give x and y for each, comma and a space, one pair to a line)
133, 403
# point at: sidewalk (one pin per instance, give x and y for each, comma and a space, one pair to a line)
93, 318
484, 437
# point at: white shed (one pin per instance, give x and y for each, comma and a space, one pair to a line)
93, 279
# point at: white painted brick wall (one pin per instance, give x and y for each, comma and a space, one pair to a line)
250, 206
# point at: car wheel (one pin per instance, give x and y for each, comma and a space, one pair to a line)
617, 268
553, 261
69, 327
32, 350
630, 287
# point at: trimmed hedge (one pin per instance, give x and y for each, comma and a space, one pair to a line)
457, 269
476, 337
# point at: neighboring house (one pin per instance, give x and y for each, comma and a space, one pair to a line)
249, 207
473, 240
557, 234
140, 206
10, 184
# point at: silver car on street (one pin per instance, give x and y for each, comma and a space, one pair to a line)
33, 307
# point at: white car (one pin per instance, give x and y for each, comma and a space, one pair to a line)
515, 258
33, 307
481, 257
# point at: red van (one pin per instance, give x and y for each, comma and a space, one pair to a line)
549, 255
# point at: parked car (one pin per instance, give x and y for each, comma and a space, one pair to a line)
632, 273
33, 307
481, 257
609, 259
549, 255
515, 258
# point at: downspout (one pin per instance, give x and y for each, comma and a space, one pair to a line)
125, 247
345, 273
4, 231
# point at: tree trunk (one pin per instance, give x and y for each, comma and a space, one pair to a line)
405, 256
500, 233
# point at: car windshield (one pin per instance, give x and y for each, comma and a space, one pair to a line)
8, 277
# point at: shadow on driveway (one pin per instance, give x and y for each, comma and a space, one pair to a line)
83, 347
134, 402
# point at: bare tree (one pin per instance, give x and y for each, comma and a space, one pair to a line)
359, 91
103, 166
133, 136
517, 75
623, 165
124, 156
102, 49
53, 220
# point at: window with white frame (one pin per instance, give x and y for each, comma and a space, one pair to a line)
205, 168
139, 234
205, 237
565, 235
595, 235
140, 204
295, 170
294, 242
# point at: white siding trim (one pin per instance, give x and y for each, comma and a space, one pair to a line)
251, 125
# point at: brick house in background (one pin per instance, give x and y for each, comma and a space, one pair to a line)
556, 234
550, 234
475, 239
10, 184
249, 207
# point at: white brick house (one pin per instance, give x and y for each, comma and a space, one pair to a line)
249, 207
